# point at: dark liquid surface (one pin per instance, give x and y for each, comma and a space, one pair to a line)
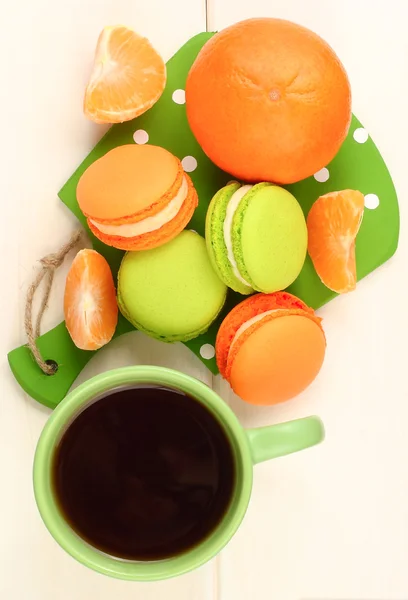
144, 473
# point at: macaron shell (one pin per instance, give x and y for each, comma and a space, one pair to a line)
129, 183
214, 235
160, 236
171, 292
245, 310
277, 313
269, 236
278, 360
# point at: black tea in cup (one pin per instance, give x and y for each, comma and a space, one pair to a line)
144, 473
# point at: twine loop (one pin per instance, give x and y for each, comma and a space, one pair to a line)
49, 264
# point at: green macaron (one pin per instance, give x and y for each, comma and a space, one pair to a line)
256, 237
171, 292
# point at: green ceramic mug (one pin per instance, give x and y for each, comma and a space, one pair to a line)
249, 446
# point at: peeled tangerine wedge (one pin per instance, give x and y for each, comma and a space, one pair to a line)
333, 223
128, 77
90, 307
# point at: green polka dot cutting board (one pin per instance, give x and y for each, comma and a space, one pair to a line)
358, 165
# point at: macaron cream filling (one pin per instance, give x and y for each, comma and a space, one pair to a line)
247, 324
227, 228
167, 214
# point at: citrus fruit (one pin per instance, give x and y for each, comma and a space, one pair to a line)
90, 307
333, 223
128, 77
268, 100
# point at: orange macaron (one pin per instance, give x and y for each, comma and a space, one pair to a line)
270, 347
136, 197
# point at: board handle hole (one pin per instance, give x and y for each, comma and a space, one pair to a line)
53, 364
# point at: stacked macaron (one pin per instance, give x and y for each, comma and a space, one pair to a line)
136, 197
256, 237
139, 199
270, 347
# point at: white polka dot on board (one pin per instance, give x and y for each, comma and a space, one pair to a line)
360, 135
207, 351
179, 96
141, 136
371, 201
322, 175
189, 164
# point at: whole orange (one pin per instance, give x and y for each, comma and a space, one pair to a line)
268, 100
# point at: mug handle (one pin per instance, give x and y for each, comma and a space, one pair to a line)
284, 438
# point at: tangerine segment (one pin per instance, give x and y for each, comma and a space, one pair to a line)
128, 77
333, 224
90, 307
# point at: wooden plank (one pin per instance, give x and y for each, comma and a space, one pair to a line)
49, 48
331, 522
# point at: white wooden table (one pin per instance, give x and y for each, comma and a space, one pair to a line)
328, 523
